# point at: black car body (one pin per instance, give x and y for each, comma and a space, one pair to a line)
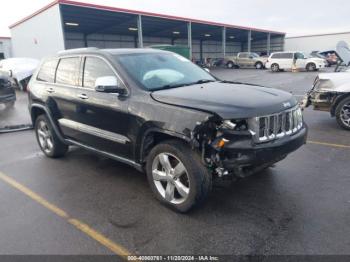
7, 92
225, 128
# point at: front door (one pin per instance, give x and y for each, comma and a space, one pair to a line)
102, 118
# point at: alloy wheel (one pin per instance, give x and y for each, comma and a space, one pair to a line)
345, 114
170, 178
45, 137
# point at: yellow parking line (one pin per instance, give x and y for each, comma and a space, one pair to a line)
115, 248
328, 144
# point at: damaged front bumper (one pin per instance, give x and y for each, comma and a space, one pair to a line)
320, 100
242, 157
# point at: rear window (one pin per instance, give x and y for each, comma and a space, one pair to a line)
47, 71
282, 56
68, 71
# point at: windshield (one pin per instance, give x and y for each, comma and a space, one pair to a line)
156, 71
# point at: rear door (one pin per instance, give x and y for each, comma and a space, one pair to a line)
63, 99
102, 118
243, 59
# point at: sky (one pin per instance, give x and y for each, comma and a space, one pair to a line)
295, 17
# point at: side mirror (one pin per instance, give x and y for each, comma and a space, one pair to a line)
109, 84
250, 57
10, 73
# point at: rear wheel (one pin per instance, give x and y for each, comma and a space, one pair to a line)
176, 175
311, 67
230, 65
47, 139
275, 67
259, 65
342, 113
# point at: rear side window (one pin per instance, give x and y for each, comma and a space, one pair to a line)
282, 56
94, 68
68, 71
243, 55
47, 71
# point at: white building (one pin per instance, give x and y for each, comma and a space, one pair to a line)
5, 47
309, 43
66, 24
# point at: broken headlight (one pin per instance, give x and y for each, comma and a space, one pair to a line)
235, 125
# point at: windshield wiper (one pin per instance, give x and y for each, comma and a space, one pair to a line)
203, 81
168, 86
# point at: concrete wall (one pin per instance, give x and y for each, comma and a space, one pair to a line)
316, 42
5, 47
40, 36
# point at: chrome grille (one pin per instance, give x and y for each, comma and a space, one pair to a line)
267, 128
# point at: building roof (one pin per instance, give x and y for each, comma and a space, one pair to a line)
312, 35
135, 12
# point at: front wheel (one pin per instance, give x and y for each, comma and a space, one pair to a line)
47, 139
342, 113
177, 176
311, 67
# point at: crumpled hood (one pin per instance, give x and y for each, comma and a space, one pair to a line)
228, 100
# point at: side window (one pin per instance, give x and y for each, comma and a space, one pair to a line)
276, 56
67, 71
47, 71
94, 68
243, 55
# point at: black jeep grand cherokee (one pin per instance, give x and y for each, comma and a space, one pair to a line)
160, 113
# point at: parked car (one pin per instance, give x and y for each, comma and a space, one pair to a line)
318, 55
7, 92
20, 70
287, 60
331, 93
331, 56
245, 59
162, 114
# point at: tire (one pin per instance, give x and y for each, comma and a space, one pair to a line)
259, 65
275, 67
342, 113
311, 67
186, 190
230, 65
47, 139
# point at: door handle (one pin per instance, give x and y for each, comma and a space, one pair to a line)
83, 96
50, 90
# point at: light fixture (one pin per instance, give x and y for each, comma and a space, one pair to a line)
176, 32
207, 35
71, 24
231, 37
132, 29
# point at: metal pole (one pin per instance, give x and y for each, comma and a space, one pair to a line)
249, 41
189, 37
139, 31
268, 43
224, 42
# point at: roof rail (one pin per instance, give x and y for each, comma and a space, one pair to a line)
77, 50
